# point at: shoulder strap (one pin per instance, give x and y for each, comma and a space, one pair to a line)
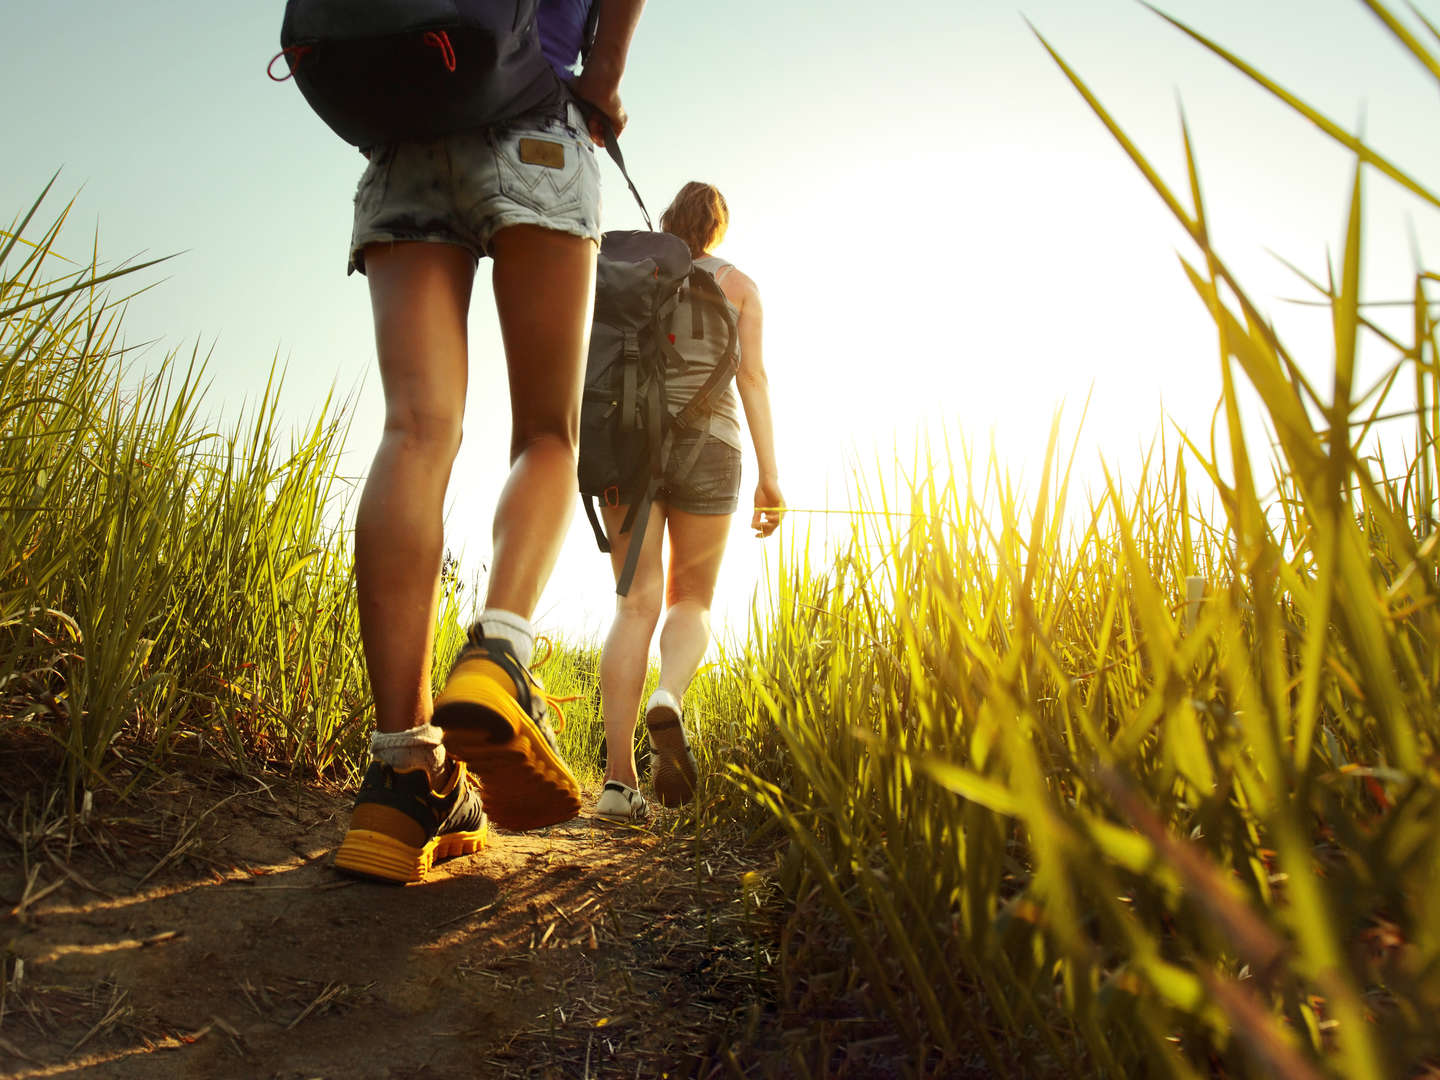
725, 367
723, 270
592, 25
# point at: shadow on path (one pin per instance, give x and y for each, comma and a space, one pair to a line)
585, 949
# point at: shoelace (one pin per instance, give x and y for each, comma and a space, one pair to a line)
549, 701
536, 705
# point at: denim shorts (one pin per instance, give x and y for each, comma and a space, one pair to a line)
711, 486
539, 170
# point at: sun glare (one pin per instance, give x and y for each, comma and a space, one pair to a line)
980, 311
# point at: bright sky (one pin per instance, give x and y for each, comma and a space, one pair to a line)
945, 237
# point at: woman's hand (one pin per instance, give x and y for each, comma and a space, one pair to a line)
599, 80
599, 87
769, 508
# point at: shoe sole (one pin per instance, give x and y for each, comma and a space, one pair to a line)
671, 772
622, 819
523, 782
615, 819
378, 856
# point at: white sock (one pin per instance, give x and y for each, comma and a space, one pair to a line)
498, 623
415, 748
663, 698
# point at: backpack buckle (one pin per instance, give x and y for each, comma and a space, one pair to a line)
612, 496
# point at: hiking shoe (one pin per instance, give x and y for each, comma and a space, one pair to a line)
493, 714
619, 802
400, 826
672, 765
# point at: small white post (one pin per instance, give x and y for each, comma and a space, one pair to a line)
1195, 588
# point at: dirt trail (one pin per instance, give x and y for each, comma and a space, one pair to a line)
199, 931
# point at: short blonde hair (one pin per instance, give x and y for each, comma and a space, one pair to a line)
698, 215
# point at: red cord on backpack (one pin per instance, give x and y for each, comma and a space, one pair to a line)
293, 54
441, 41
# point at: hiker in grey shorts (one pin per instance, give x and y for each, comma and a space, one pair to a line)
696, 510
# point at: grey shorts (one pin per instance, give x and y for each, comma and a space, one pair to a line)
463, 189
712, 486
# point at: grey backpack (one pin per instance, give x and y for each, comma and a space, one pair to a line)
656, 314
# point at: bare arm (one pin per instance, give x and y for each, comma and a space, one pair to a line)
754, 387
599, 81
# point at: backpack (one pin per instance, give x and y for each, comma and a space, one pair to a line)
654, 314
384, 71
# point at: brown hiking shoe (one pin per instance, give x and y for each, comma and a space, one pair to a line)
672, 765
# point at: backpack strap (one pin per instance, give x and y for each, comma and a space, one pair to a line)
612, 147
637, 541
689, 416
674, 359
637, 518
601, 541
724, 370
702, 437
629, 380
592, 26
697, 317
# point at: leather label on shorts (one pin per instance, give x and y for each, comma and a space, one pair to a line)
542, 152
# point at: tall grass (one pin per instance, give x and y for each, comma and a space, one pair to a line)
1152, 796
165, 587
160, 583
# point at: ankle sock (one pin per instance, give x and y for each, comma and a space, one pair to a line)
415, 748
665, 699
499, 623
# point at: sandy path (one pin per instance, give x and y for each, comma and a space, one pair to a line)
585, 949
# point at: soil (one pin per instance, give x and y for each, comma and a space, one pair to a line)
197, 929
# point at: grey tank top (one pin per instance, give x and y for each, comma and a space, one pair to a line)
680, 387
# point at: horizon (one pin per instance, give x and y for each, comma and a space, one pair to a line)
990, 250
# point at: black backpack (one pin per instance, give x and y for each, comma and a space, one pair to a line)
384, 71
650, 319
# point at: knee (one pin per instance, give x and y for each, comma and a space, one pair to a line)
433, 433
690, 598
560, 443
641, 606
549, 427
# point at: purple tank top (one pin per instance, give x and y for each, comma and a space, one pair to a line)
562, 33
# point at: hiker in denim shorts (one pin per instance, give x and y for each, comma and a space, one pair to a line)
527, 195
696, 509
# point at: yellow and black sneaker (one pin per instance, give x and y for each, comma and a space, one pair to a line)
400, 826
494, 716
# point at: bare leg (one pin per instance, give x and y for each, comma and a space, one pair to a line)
626, 653
543, 286
544, 289
697, 544
420, 294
